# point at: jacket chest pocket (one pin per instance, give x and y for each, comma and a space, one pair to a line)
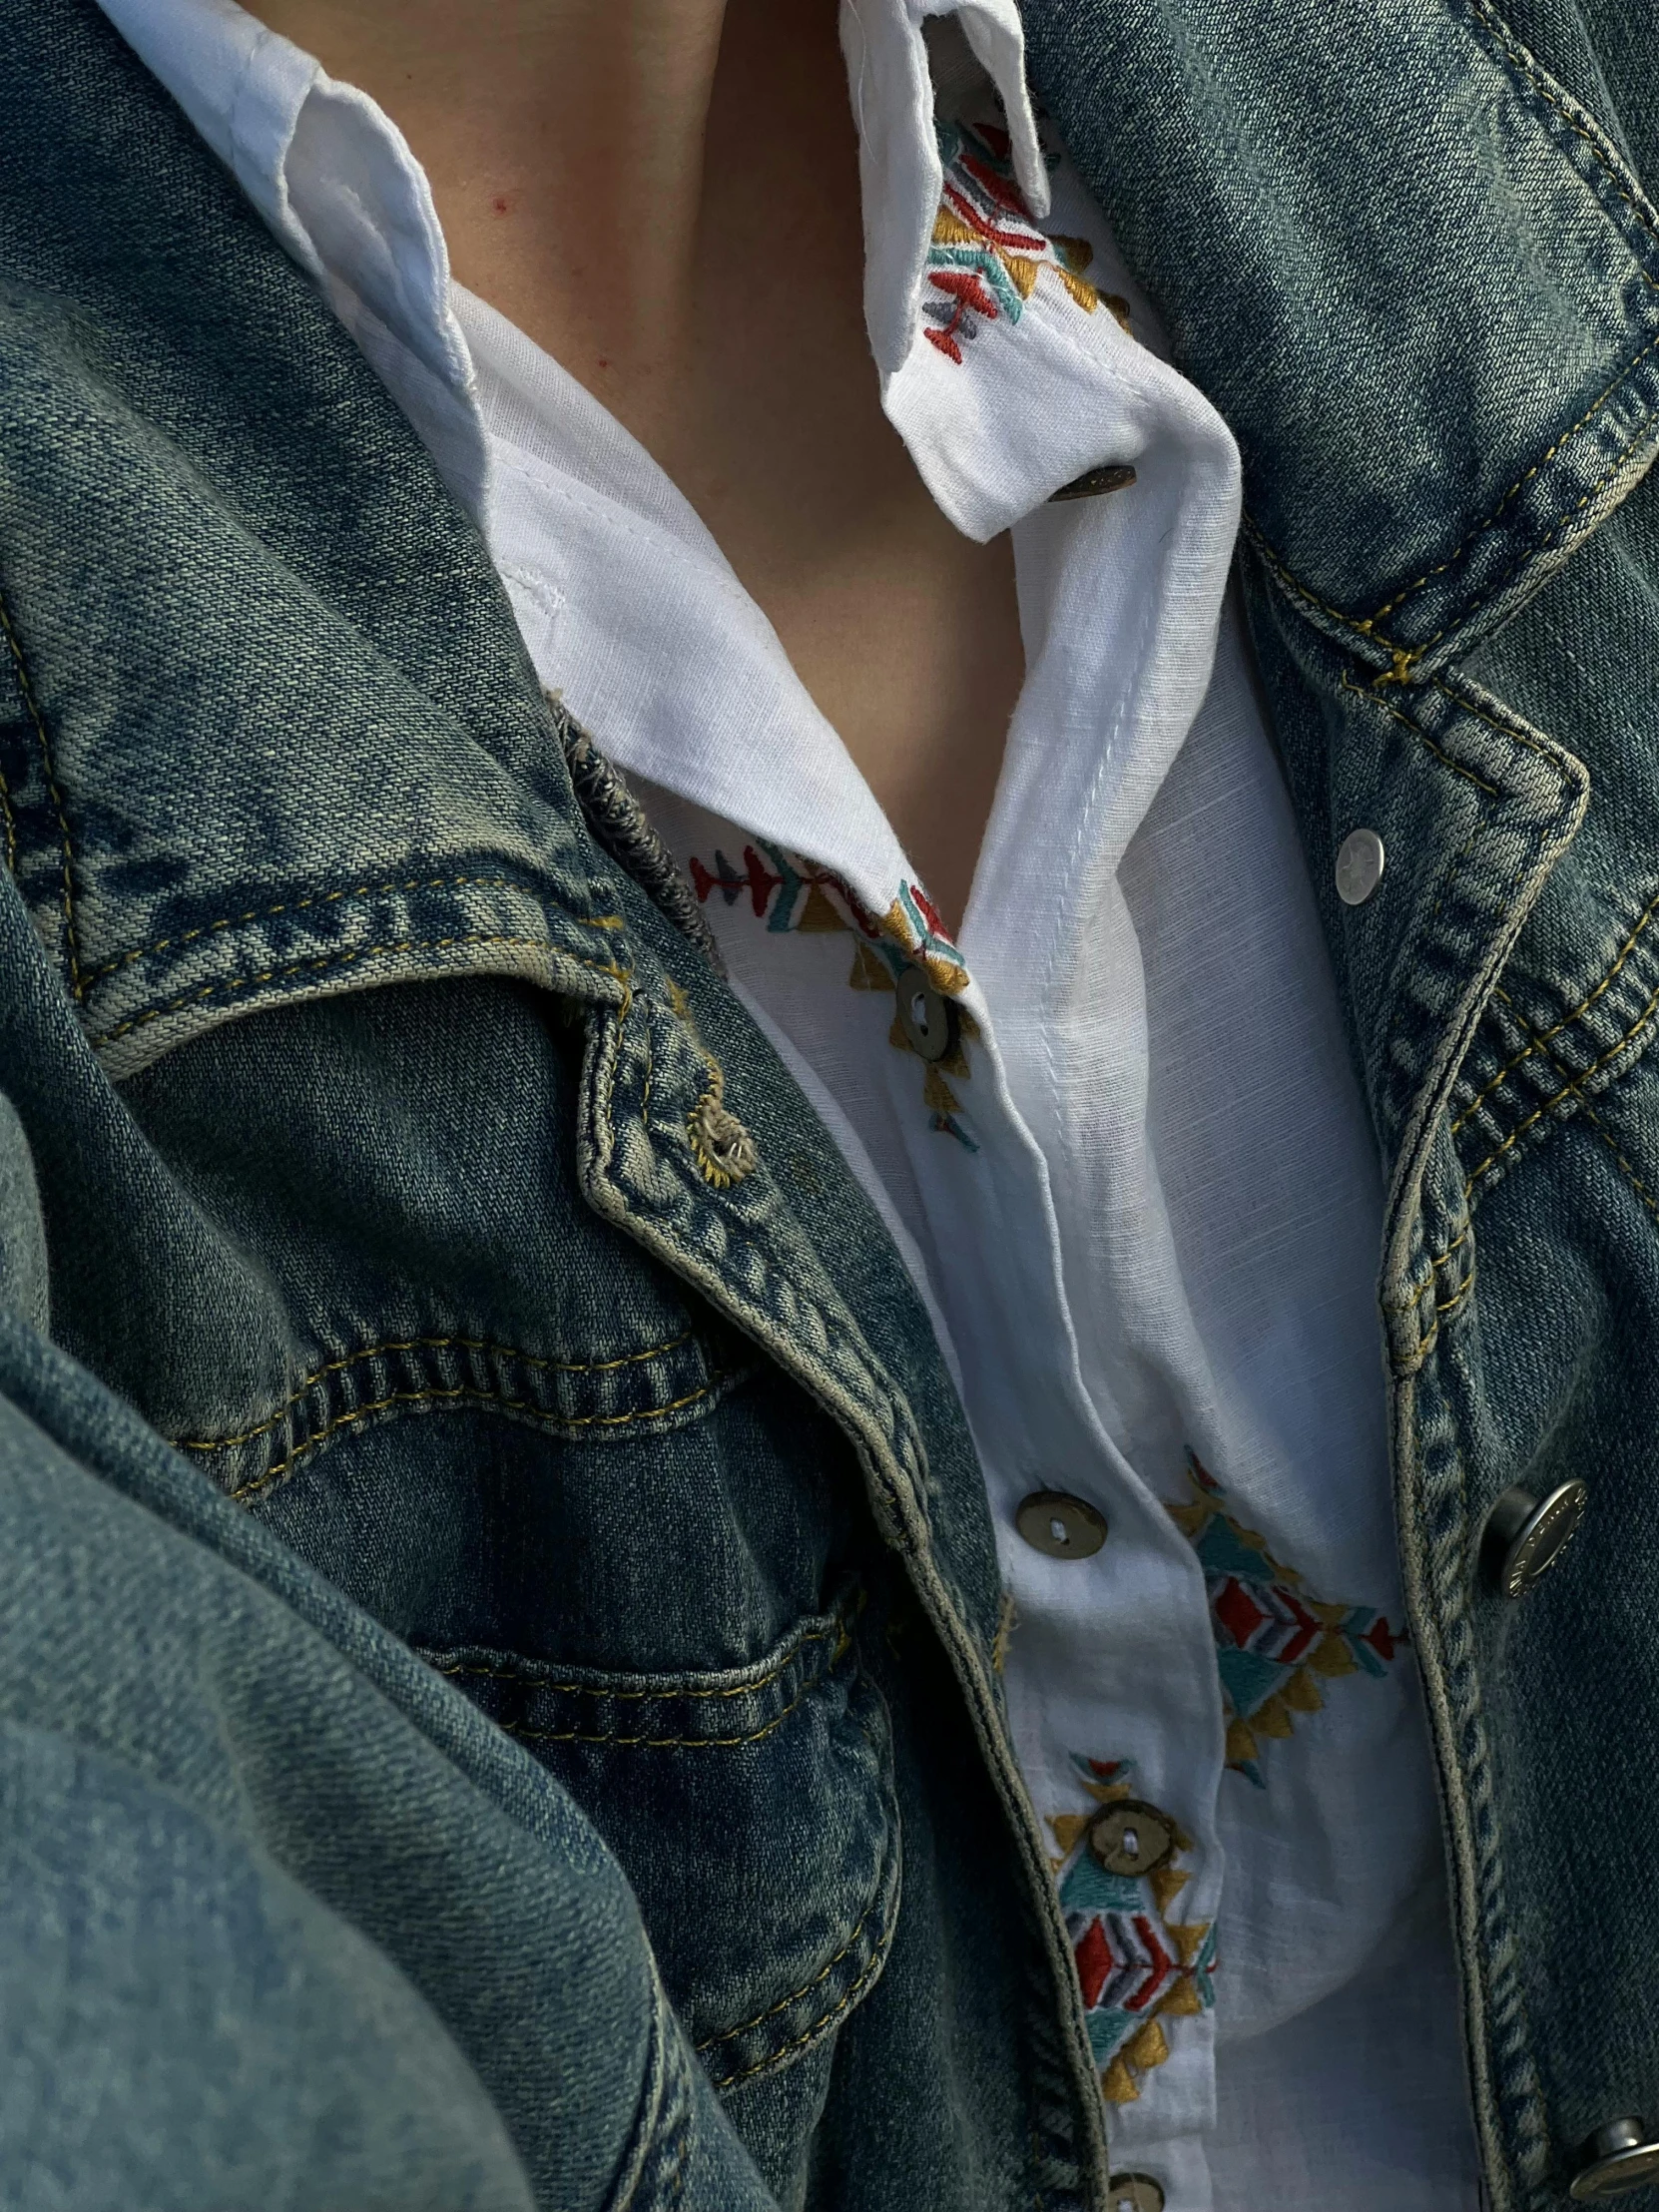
753, 1811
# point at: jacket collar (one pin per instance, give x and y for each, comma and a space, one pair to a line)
266, 720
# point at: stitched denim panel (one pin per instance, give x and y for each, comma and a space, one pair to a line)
269, 736
1497, 986
771, 1933
1545, 1377
400, 1165
1577, 1006
1412, 272
285, 1917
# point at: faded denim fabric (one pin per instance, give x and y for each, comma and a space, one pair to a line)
353, 1147
1415, 261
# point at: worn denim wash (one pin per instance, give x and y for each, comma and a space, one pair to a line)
498, 1681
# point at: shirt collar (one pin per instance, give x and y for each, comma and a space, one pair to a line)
336, 182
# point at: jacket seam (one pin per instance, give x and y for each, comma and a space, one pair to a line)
426, 1344
1567, 1090
663, 1743
729, 2034
329, 899
67, 875
467, 1395
1519, 485
1582, 123
530, 1681
890, 1490
871, 1966
344, 960
1540, 1039
1563, 522
1406, 657
1541, 1043
1368, 692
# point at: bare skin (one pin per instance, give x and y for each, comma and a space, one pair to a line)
663, 193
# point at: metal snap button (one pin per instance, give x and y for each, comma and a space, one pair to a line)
1618, 2157
1360, 860
1134, 2193
1110, 476
1059, 1525
1522, 1540
1131, 1838
924, 1014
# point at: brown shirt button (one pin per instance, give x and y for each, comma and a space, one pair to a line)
1130, 1838
1134, 2193
1055, 1522
1111, 476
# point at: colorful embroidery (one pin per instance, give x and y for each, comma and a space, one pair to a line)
987, 250
907, 951
1274, 1641
1137, 1967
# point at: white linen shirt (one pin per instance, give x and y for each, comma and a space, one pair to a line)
1113, 1127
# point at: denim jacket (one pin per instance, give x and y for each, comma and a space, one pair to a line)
534, 1739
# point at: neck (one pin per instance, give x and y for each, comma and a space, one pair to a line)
523, 112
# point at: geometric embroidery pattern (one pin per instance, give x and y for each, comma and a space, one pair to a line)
1276, 1644
986, 252
1139, 1967
906, 953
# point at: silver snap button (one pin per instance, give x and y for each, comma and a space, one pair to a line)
1617, 2157
924, 1014
1110, 476
1359, 864
1523, 1538
1055, 1522
1131, 1838
1134, 2193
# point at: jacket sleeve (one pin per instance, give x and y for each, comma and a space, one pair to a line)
283, 1921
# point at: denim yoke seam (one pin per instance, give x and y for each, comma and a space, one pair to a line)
344, 960
367, 1352
1631, 1177
1403, 658
1541, 1040
470, 1394
31, 705
1572, 1088
647, 1742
